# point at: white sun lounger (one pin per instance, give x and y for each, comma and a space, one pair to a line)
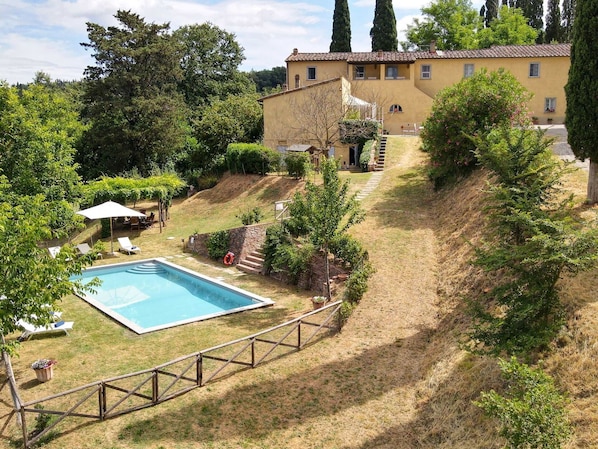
127, 247
30, 329
54, 250
84, 248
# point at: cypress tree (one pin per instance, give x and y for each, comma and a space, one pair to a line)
490, 11
384, 29
568, 16
341, 27
553, 22
581, 90
533, 10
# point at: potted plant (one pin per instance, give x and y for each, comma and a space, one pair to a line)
549, 120
44, 369
535, 120
318, 301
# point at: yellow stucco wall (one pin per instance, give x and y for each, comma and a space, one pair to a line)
410, 92
325, 70
549, 84
288, 114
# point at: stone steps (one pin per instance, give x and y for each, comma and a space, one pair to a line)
381, 155
253, 263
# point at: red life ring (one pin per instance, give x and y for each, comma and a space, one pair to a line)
229, 258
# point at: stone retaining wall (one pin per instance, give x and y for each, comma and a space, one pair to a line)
243, 240
246, 239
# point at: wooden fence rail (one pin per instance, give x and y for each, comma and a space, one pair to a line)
147, 388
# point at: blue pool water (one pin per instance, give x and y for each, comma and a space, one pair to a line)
155, 294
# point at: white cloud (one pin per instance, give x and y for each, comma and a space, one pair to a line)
47, 36
22, 57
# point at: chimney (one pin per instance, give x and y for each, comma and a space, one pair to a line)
432, 46
295, 51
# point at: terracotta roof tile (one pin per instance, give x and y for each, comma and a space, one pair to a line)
504, 51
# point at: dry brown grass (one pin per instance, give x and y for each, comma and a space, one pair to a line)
393, 378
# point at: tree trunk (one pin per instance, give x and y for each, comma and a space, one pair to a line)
593, 183
328, 292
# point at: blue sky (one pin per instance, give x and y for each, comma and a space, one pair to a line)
44, 35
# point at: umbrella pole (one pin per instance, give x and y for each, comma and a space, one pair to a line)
111, 238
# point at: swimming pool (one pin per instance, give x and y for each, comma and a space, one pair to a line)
154, 294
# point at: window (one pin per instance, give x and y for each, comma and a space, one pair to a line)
467, 70
311, 73
359, 72
550, 104
392, 72
296, 81
395, 108
534, 70
426, 72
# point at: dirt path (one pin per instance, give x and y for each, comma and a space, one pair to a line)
381, 350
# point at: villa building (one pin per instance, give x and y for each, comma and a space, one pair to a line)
397, 89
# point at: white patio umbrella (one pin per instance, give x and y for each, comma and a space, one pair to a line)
109, 209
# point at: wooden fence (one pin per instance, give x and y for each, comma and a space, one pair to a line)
135, 391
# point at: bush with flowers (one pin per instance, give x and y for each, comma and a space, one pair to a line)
43, 363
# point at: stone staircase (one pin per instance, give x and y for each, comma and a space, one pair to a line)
253, 263
381, 155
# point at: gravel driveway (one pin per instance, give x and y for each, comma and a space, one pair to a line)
560, 146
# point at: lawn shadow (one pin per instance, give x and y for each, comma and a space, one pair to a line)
323, 390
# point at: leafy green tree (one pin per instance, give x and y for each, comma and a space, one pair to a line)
532, 411
553, 31
238, 118
210, 66
532, 240
509, 28
341, 27
581, 115
451, 24
474, 106
138, 117
31, 281
267, 81
324, 212
38, 133
384, 29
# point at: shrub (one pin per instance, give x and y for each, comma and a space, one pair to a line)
253, 158
297, 164
281, 254
275, 236
250, 217
293, 260
532, 412
349, 250
357, 282
365, 156
42, 422
533, 239
472, 107
218, 244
